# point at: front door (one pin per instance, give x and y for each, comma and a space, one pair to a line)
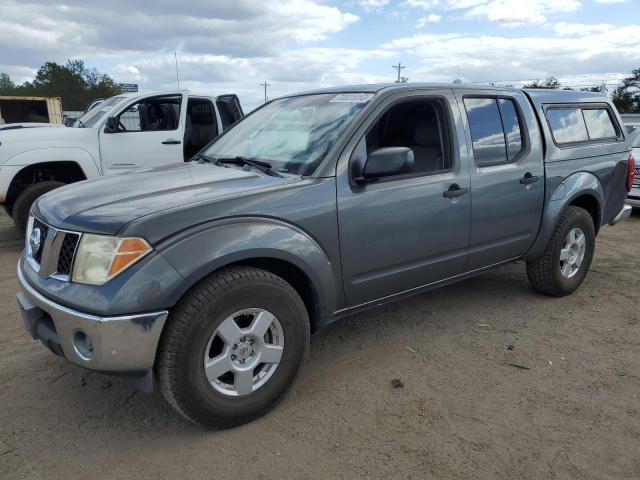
150, 133
507, 176
410, 230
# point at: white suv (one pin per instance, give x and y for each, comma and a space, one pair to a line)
124, 132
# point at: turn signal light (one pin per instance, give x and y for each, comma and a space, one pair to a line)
632, 171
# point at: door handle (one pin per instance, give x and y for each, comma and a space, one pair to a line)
528, 179
455, 191
171, 142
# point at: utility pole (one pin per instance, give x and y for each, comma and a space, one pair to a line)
177, 75
265, 85
399, 67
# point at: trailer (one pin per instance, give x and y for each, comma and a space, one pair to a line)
18, 110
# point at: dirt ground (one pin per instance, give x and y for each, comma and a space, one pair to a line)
465, 411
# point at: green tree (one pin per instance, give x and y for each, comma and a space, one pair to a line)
73, 82
6, 85
602, 88
550, 82
626, 97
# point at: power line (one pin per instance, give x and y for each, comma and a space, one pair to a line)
265, 85
399, 67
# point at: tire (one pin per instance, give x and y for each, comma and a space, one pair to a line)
22, 205
189, 336
546, 272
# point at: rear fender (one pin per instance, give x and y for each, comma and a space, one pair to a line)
572, 187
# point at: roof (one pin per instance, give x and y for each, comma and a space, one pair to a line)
549, 95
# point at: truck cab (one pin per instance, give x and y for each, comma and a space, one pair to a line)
123, 133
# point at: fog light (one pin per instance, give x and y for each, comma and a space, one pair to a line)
82, 344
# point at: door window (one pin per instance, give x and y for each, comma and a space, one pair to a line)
201, 126
419, 125
151, 115
511, 125
496, 130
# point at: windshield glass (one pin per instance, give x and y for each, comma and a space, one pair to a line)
94, 115
293, 134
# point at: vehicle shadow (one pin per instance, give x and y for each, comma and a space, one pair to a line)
108, 401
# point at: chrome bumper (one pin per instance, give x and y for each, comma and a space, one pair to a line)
116, 344
622, 215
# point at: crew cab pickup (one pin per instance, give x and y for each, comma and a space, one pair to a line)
123, 133
208, 277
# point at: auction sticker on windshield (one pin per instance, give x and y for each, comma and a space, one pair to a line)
352, 98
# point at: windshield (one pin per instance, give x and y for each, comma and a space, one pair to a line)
94, 115
293, 134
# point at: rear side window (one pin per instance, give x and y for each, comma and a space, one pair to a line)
599, 123
581, 124
567, 125
495, 128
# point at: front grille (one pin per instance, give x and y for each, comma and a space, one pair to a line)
53, 256
67, 251
44, 230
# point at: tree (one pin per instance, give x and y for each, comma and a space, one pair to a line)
627, 96
602, 88
6, 85
73, 82
550, 82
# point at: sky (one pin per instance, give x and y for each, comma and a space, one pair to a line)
295, 45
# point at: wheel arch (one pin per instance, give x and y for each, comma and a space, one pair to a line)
581, 189
66, 171
272, 245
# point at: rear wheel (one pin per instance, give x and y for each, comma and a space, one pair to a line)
232, 347
22, 205
567, 257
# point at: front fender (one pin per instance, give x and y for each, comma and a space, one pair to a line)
572, 187
57, 154
199, 251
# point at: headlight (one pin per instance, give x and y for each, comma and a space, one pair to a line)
99, 258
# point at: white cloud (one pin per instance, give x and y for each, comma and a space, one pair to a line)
431, 18
372, 4
290, 71
506, 12
579, 29
444, 57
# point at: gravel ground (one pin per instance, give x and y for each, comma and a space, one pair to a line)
498, 382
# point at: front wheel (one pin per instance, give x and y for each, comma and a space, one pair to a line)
232, 346
22, 205
567, 257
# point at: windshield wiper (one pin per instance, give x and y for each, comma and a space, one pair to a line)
201, 157
264, 167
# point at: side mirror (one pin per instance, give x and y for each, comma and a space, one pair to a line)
111, 125
386, 162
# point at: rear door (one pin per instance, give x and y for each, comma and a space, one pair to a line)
229, 109
507, 175
150, 133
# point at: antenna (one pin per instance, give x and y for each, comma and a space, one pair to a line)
177, 74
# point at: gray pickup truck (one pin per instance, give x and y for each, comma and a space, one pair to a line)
208, 277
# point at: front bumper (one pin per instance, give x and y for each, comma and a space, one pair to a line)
116, 344
622, 215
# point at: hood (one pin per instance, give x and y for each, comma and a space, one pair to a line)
19, 140
104, 205
13, 126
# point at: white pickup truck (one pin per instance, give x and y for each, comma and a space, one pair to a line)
124, 132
